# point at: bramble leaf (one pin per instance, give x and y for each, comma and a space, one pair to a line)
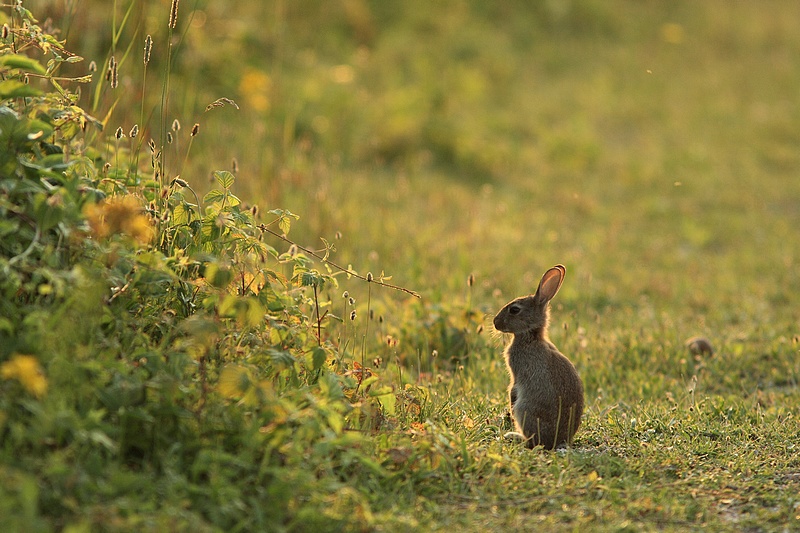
318, 357
224, 178
16, 89
214, 196
22, 62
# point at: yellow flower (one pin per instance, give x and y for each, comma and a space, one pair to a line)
255, 86
120, 215
26, 370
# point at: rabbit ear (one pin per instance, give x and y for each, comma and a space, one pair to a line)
551, 282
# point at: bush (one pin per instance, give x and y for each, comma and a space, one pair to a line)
162, 365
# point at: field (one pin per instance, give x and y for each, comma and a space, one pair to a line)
213, 377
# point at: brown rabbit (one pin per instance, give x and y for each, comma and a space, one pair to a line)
546, 392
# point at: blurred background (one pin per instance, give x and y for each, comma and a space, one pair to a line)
652, 147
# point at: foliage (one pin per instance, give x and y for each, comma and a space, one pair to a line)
149, 336
171, 359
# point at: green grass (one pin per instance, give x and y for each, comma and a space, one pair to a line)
652, 148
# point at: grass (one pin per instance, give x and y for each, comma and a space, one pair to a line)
651, 148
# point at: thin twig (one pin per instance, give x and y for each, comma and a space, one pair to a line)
319, 318
347, 271
36, 236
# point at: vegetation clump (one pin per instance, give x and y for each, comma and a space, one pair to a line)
179, 350
158, 352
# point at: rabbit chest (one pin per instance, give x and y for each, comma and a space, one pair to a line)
532, 379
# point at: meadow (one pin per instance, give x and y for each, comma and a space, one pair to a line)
242, 366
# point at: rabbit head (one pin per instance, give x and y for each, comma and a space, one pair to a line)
530, 313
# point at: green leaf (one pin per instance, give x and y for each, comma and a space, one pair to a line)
386, 397
233, 200
17, 89
214, 196
219, 276
47, 216
234, 381
180, 214
20, 130
311, 279
6, 326
8, 226
284, 213
29, 496
255, 313
318, 357
208, 229
285, 224
98, 437
266, 249
227, 307
22, 63
281, 358
224, 178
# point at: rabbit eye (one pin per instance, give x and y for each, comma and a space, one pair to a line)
514, 309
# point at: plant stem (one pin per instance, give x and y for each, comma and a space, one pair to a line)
347, 271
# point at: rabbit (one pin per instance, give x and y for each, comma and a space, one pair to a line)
546, 392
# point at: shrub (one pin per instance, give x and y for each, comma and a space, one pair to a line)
162, 365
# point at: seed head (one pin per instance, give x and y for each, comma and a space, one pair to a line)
369, 276
134, 131
173, 14
176, 125
195, 129
92, 66
351, 301
345, 295
352, 315
113, 75
169, 137
148, 47
471, 280
119, 133
5, 31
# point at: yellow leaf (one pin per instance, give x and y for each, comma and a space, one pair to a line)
234, 381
